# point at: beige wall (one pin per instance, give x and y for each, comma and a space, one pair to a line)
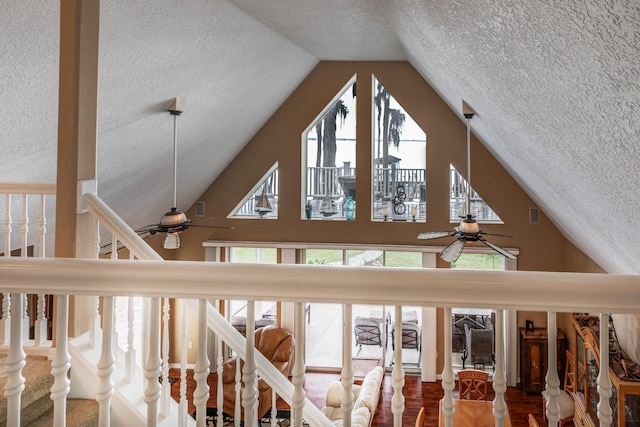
542, 246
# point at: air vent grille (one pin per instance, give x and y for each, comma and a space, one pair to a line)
199, 210
534, 215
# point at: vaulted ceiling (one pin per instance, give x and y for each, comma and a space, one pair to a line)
556, 88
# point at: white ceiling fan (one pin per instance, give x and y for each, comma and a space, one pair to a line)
469, 229
175, 221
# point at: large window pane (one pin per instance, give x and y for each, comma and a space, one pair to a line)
265, 312
324, 326
329, 156
399, 161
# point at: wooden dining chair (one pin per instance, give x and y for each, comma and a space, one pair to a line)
420, 418
472, 384
565, 397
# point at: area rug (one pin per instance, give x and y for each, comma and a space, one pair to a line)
283, 419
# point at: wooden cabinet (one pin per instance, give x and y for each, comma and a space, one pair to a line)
533, 358
624, 374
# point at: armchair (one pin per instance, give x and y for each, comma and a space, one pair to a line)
276, 344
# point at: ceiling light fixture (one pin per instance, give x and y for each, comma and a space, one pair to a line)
174, 220
469, 229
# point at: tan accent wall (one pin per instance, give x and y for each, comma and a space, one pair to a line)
542, 247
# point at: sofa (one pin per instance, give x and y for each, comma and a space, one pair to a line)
365, 397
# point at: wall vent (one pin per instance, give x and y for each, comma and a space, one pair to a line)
199, 211
534, 215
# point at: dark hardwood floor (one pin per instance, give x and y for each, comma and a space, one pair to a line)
416, 393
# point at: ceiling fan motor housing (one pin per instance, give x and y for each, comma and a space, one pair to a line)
174, 220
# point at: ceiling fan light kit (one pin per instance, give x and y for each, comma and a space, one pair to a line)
171, 241
469, 229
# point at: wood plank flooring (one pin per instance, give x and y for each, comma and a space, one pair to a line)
417, 394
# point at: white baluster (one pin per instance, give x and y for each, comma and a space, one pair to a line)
106, 365
94, 325
24, 226
14, 364
116, 333
5, 322
448, 381
24, 233
499, 376
61, 363
249, 375
220, 392
183, 408
152, 366
146, 313
347, 365
130, 363
237, 410
397, 375
40, 327
201, 370
299, 368
42, 229
166, 387
552, 386
604, 381
7, 225
274, 411
131, 350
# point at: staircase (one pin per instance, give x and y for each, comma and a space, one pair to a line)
36, 403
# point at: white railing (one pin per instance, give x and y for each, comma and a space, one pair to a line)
28, 202
573, 292
156, 363
299, 284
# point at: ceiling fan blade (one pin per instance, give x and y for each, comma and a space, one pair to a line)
453, 251
505, 253
151, 228
434, 235
496, 234
212, 226
202, 220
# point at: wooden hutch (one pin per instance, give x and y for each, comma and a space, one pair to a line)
624, 373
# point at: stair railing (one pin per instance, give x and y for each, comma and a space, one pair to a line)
31, 201
157, 366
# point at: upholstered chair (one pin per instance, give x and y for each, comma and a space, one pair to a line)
276, 344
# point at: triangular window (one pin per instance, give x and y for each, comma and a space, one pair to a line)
329, 159
479, 207
399, 161
262, 200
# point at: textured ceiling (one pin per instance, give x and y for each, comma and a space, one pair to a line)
556, 87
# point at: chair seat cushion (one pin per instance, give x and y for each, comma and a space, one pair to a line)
565, 401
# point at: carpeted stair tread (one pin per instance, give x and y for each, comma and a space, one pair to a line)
35, 409
38, 382
80, 413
